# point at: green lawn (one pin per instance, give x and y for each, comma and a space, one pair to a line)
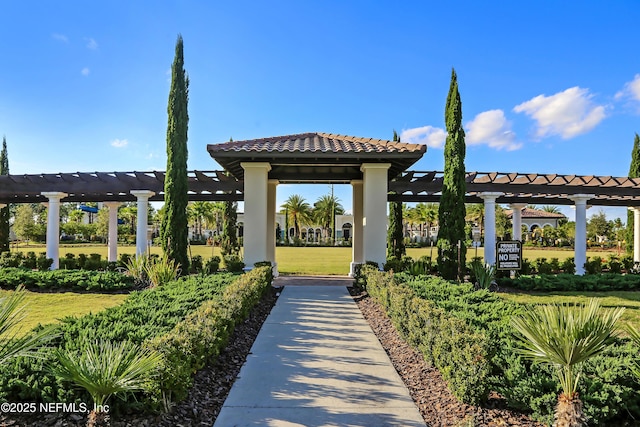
44, 308
628, 299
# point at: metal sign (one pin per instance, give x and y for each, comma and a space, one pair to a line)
509, 255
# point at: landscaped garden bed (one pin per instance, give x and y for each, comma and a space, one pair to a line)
188, 322
465, 334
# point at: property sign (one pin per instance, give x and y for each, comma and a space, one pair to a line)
509, 255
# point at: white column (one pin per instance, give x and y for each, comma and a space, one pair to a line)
53, 226
580, 251
374, 203
255, 212
490, 226
271, 224
516, 220
636, 234
113, 230
142, 197
357, 255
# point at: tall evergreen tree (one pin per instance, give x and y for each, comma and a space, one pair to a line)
229, 244
4, 212
395, 234
174, 230
634, 172
452, 212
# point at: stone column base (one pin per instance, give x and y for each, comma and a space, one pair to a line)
352, 268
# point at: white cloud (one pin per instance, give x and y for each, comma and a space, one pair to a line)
492, 128
431, 136
631, 89
568, 114
119, 143
91, 43
60, 37
85, 71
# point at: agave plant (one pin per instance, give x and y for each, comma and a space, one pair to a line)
105, 369
485, 274
565, 337
12, 311
161, 271
137, 268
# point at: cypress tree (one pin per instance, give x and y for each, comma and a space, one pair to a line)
174, 231
395, 234
452, 211
634, 172
229, 245
4, 212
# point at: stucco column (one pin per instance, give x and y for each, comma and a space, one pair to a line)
374, 210
53, 226
113, 230
516, 220
256, 210
636, 234
357, 255
490, 226
142, 197
271, 224
580, 251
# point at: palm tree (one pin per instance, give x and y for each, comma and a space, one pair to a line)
424, 213
11, 314
551, 209
565, 337
299, 211
201, 213
104, 369
475, 214
324, 210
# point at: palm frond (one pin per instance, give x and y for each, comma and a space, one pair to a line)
105, 368
565, 336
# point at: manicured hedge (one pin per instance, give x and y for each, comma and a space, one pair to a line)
143, 316
202, 335
425, 310
73, 280
446, 342
570, 282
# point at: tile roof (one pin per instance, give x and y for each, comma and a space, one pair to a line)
535, 213
319, 142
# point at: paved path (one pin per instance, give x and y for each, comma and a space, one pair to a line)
316, 363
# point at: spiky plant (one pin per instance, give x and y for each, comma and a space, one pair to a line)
105, 369
634, 334
12, 312
161, 271
485, 274
137, 267
565, 337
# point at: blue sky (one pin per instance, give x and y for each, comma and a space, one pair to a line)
547, 87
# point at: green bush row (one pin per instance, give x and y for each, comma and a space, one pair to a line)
29, 260
454, 348
608, 388
143, 316
103, 281
202, 335
571, 282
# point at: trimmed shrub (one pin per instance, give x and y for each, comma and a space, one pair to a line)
571, 282
201, 336
75, 280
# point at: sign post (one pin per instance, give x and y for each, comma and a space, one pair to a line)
509, 255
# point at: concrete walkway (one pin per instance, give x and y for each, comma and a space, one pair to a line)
316, 363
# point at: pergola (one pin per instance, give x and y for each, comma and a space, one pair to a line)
376, 170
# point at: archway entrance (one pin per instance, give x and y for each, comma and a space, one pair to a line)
366, 164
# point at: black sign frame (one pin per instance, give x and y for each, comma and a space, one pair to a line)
512, 249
